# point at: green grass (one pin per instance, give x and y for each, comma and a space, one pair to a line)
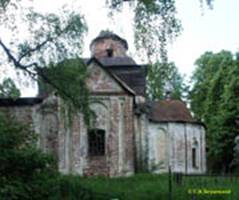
155, 187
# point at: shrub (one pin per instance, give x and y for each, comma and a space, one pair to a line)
25, 171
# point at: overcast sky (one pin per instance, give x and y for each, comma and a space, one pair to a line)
203, 30
217, 29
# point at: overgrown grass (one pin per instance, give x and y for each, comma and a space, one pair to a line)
141, 186
155, 187
204, 187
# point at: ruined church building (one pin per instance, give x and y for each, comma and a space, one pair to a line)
131, 134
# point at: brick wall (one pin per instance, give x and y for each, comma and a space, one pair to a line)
99, 48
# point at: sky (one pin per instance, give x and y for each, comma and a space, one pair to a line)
211, 30
203, 29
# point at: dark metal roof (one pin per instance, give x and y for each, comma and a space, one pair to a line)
109, 35
128, 71
117, 61
134, 77
112, 61
169, 111
20, 101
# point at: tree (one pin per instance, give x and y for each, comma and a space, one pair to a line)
8, 89
214, 100
164, 78
155, 24
53, 40
228, 113
208, 67
28, 173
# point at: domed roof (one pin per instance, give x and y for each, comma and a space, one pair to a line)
109, 35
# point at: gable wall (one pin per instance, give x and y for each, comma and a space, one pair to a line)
115, 116
100, 80
113, 107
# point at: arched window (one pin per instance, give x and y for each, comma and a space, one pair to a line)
195, 153
96, 142
194, 157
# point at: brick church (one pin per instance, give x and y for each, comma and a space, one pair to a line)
130, 133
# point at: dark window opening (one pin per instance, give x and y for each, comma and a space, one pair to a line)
194, 157
109, 52
96, 142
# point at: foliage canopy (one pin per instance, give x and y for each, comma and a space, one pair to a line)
164, 79
8, 89
214, 100
23, 167
28, 173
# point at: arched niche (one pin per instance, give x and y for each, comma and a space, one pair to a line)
195, 153
97, 134
101, 117
161, 146
50, 134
